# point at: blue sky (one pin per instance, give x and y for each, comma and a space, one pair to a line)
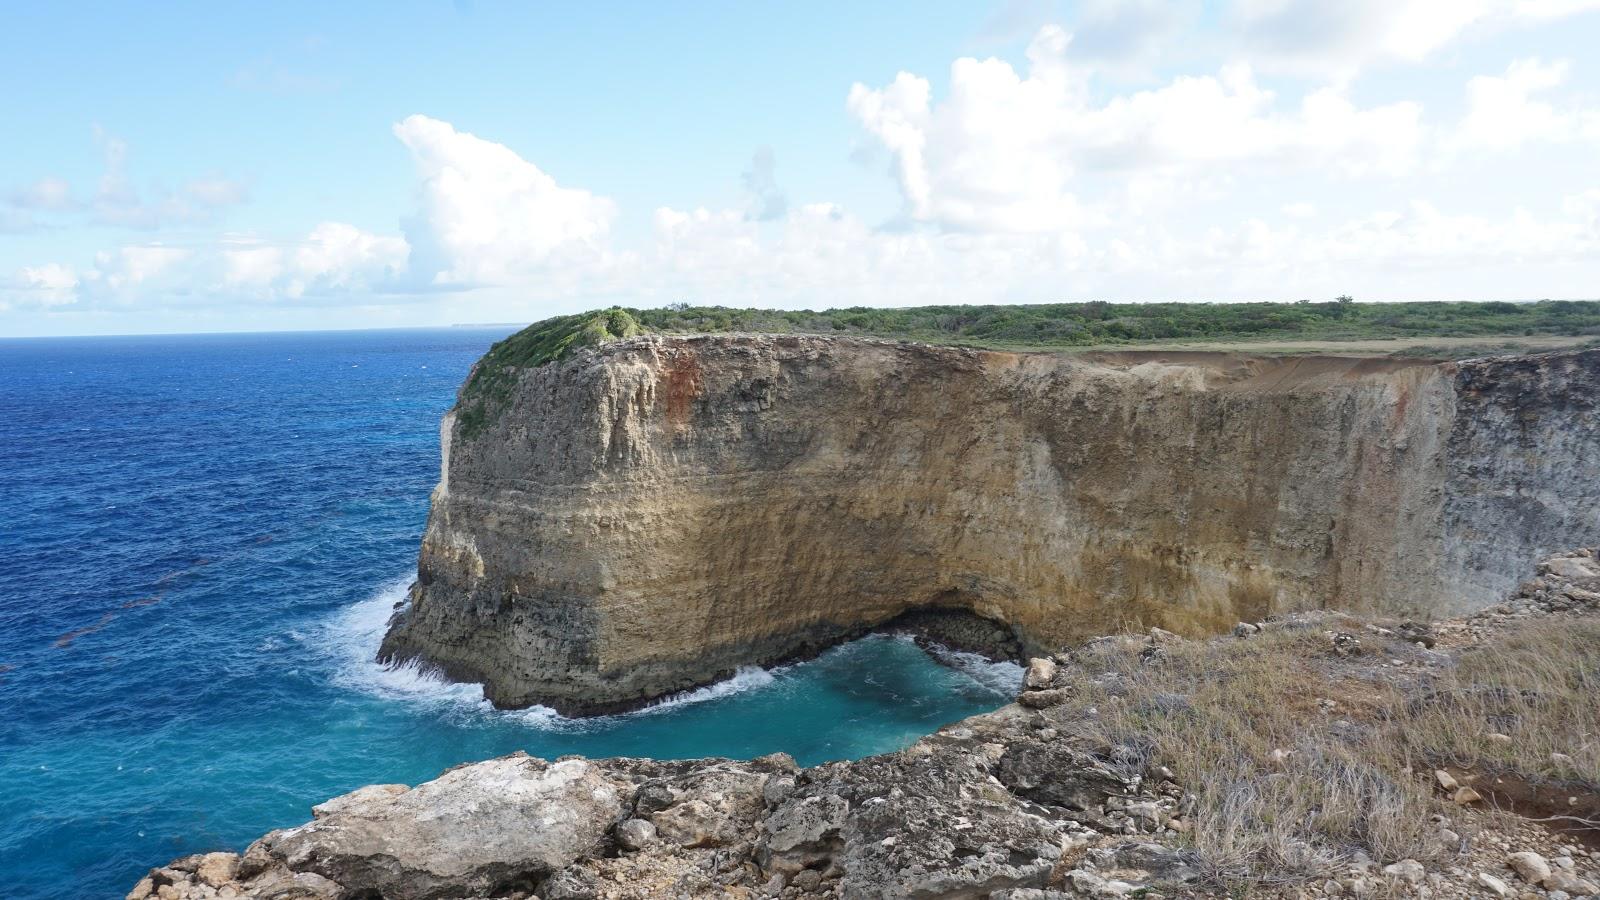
194, 167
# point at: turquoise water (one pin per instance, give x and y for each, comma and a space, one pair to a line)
203, 538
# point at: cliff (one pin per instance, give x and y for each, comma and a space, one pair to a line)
644, 517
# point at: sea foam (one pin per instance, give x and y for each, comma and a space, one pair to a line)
353, 636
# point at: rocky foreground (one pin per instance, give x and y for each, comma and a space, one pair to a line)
1306, 756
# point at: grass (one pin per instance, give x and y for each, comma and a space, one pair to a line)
1098, 323
1538, 685
1037, 327
1296, 759
494, 376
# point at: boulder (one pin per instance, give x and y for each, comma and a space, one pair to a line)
636, 834
1041, 672
473, 830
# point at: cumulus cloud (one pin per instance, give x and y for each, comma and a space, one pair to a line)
1001, 151
488, 215
1507, 111
51, 284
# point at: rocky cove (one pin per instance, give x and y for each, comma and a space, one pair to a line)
1263, 600
644, 517
1068, 792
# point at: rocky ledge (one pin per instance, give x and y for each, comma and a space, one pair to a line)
1089, 785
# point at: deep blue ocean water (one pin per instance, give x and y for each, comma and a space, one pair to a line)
202, 538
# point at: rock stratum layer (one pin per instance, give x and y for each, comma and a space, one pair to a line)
646, 517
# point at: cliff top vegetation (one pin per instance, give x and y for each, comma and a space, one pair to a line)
1038, 327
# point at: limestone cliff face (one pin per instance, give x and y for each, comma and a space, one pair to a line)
647, 517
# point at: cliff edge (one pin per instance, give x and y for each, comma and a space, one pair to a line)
645, 516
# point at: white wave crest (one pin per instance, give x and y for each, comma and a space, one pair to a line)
743, 679
1003, 677
354, 635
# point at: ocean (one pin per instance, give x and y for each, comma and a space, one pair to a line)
203, 537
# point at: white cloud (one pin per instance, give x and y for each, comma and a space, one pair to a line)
339, 256
118, 202
989, 175
1339, 38
1121, 34
767, 200
51, 284
488, 214
1002, 150
134, 265
214, 191
47, 194
1506, 111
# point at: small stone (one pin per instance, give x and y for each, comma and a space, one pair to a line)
1446, 780
1407, 870
1041, 672
807, 879
1562, 880
1561, 759
636, 834
1529, 866
1346, 644
1163, 636
1465, 795
1245, 629
1495, 737
1495, 886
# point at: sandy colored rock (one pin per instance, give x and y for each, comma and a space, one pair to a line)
649, 516
1495, 886
1529, 866
459, 834
217, 869
1041, 672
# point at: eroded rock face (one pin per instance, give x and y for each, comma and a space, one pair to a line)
646, 518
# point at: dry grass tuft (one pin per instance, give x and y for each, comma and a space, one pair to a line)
1298, 758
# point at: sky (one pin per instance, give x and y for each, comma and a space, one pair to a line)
230, 167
